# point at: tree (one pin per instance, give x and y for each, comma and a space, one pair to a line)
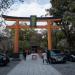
4, 4
65, 9
30, 37
44, 40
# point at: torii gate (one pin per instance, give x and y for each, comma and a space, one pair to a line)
17, 26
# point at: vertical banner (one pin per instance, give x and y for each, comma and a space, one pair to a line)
33, 20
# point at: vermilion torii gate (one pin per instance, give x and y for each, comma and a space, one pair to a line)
17, 26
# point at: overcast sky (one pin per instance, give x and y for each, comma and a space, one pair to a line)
29, 7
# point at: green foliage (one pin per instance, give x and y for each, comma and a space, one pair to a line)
57, 36
30, 37
24, 38
66, 10
44, 40
60, 35
4, 4
60, 47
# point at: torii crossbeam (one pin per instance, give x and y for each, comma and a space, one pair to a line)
17, 26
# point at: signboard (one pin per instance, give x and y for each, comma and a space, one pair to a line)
33, 19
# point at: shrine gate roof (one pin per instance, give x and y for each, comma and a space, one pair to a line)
38, 18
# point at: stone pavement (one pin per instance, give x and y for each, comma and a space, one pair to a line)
33, 67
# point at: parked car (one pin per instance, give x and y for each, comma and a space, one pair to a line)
70, 56
56, 56
4, 60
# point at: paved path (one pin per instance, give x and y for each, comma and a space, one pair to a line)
33, 67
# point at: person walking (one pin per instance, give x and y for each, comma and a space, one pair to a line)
44, 57
24, 54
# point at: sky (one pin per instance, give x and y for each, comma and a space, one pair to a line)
29, 7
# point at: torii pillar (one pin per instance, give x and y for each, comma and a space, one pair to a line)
16, 27
16, 41
50, 27
49, 36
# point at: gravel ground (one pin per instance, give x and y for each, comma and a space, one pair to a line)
5, 69
65, 69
